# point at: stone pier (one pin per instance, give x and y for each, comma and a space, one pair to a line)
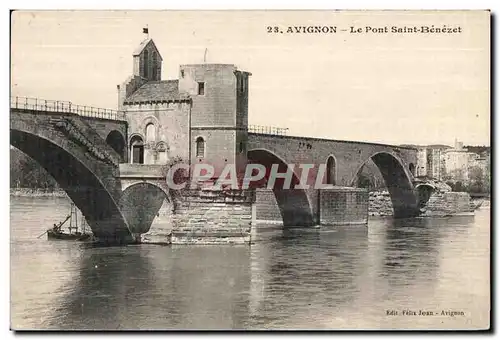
213, 217
331, 206
343, 206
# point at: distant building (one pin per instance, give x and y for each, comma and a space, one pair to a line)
442, 162
482, 162
430, 161
457, 162
460, 160
421, 162
435, 163
480, 150
483, 158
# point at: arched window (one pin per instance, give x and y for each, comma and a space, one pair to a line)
330, 170
154, 66
200, 147
145, 65
150, 133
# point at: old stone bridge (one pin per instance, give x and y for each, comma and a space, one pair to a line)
85, 150
343, 160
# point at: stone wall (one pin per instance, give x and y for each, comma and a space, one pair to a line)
128, 87
343, 206
141, 171
171, 129
218, 115
160, 231
220, 147
380, 204
104, 127
349, 155
216, 107
213, 217
448, 203
337, 205
440, 203
266, 208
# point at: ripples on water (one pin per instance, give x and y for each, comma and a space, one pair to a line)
289, 279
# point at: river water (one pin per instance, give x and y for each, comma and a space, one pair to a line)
348, 278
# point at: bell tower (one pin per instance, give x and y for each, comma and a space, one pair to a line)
147, 59
147, 67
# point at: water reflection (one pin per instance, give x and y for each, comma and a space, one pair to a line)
151, 287
411, 252
305, 270
303, 278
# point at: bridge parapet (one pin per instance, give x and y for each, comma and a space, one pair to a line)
142, 170
57, 106
267, 130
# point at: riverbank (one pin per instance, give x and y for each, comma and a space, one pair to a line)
380, 203
29, 192
440, 203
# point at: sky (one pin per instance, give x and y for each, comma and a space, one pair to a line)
375, 87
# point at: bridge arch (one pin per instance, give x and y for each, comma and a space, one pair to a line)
140, 203
89, 182
116, 140
294, 204
424, 192
398, 181
156, 183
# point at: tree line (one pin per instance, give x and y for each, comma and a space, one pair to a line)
478, 182
27, 173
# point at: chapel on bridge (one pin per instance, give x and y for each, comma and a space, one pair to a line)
201, 116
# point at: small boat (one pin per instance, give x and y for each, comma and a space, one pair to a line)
57, 233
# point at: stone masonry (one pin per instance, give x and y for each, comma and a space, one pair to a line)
440, 203
213, 217
448, 203
201, 117
343, 206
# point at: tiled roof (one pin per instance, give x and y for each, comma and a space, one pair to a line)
143, 45
155, 91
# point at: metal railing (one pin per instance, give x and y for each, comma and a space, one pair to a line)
36, 104
268, 130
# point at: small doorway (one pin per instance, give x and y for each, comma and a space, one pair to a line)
138, 154
137, 150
